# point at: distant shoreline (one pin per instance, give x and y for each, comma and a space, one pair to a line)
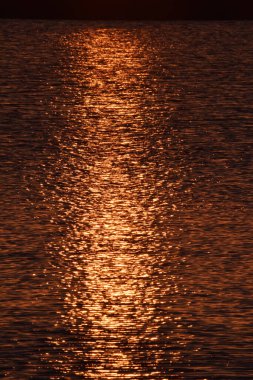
132, 19
128, 10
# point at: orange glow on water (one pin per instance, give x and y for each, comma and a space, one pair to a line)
111, 286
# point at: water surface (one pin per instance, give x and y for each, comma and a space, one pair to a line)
126, 200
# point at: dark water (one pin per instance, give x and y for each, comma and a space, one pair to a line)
126, 200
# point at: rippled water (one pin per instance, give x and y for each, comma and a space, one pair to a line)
126, 200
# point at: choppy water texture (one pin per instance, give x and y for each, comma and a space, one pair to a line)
126, 200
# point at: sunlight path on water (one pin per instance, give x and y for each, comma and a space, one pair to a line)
118, 238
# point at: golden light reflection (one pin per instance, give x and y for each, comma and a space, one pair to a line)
117, 202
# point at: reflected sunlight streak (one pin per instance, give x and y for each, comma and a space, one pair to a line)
117, 238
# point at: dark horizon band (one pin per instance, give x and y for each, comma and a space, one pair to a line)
128, 9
